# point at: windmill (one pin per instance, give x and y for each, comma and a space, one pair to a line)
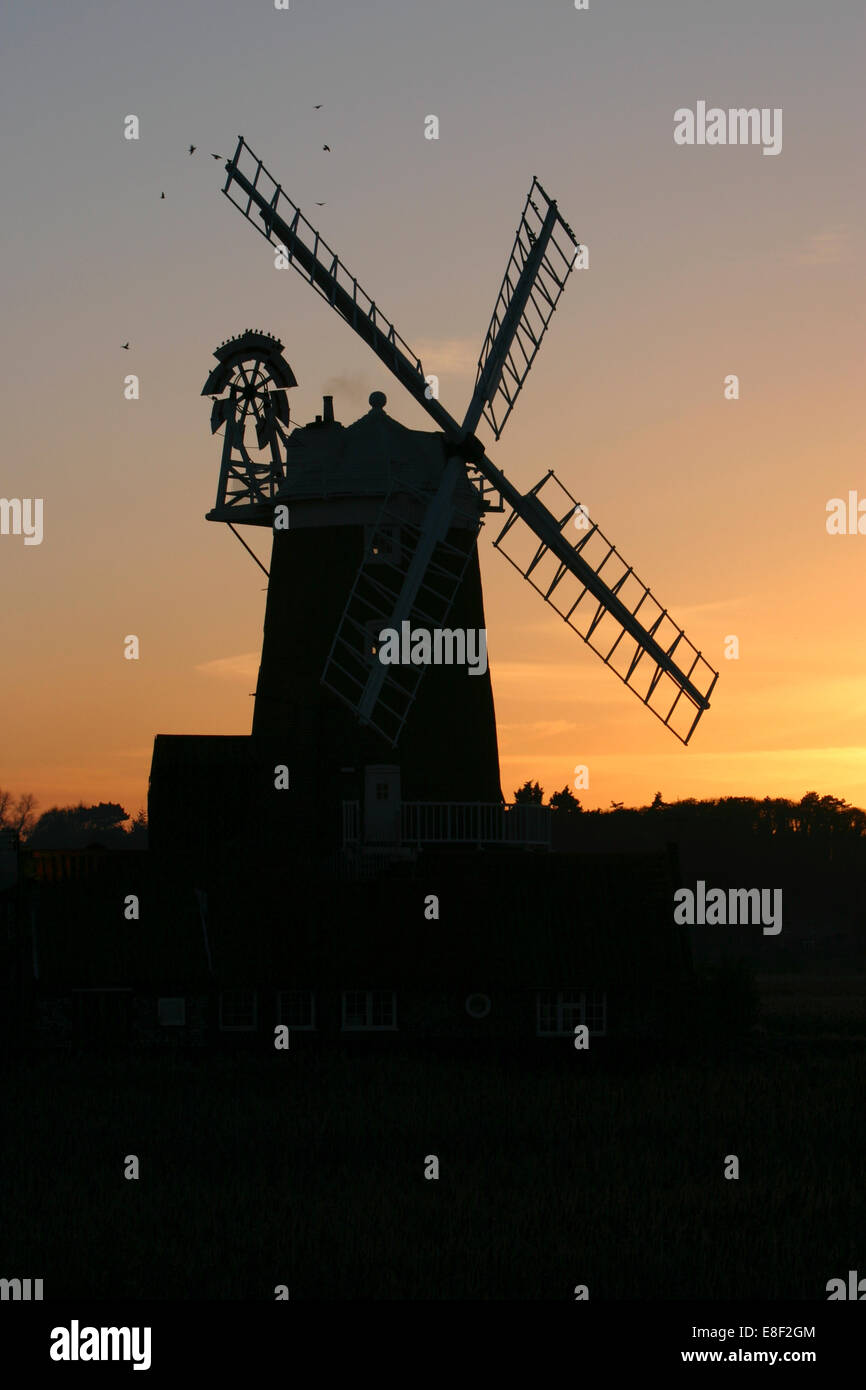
254, 377
418, 579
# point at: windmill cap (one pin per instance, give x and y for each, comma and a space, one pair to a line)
378, 400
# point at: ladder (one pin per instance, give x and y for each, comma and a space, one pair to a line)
382, 695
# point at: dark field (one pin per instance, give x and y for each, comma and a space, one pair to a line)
307, 1170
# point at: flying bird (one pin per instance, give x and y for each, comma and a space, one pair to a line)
320, 205
318, 108
327, 147
124, 345
193, 148
216, 156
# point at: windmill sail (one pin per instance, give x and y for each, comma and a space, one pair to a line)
256, 193
541, 261
585, 580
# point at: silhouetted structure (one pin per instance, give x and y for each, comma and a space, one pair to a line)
350, 866
374, 536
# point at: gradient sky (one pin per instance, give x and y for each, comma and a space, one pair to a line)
703, 262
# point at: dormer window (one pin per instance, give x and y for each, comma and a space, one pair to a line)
382, 544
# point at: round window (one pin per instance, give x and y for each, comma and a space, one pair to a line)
478, 1005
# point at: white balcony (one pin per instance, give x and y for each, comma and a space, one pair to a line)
457, 823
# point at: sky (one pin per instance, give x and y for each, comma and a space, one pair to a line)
704, 261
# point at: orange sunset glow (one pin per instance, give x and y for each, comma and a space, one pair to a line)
702, 263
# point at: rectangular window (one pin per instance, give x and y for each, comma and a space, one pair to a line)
102, 1016
559, 1012
595, 1013
238, 1012
297, 1008
171, 1012
370, 1009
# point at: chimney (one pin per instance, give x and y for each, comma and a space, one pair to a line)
328, 405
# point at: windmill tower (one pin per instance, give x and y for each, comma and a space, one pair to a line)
346, 507
375, 531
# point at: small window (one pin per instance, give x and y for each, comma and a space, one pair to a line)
171, 1012
373, 1009
381, 791
383, 544
559, 1012
297, 1008
102, 1016
478, 1005
238, 1011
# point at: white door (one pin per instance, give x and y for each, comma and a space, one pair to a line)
382, 804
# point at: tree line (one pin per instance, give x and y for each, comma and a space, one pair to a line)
104, 823
812, 815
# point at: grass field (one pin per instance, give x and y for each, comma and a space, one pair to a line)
307, 1170
829, 1003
